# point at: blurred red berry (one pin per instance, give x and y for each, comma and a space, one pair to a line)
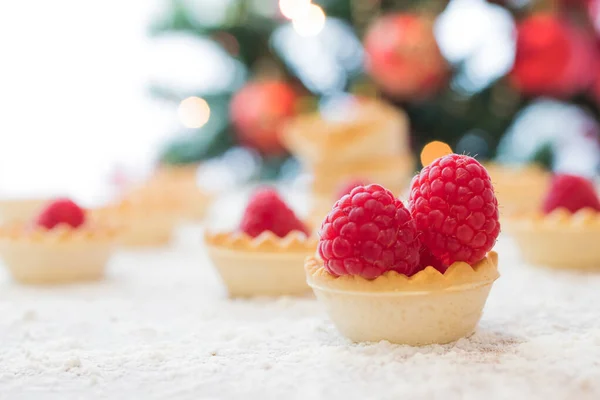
59, 212
572, 193
266, 211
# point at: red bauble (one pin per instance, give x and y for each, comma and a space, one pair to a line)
258, 112
403, 56
552, 58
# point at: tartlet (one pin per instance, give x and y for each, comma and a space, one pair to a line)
426, 308
145, 221
35, 255
266, 265
519, 189
367, 129
19, 210
560, 239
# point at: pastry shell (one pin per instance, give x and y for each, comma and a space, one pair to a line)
369, 129
58, 256
559, 239
519, 190
146, 223
426, 308
263, 266
20, 210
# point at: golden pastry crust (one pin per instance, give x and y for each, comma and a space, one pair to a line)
267, 242
561, 219
263, 266
429, 279
20, 210
368, 128
60, 235
519, 189
558, 240
35, 255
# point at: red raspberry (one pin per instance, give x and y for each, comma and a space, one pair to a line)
367, 233
571, 192
266, 211
347, 187
454, 206
429, 260
61, 211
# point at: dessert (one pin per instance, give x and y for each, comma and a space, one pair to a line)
564, 232
146, 218
413, 275
60, 246
19, 210
360, 139
265, 255
519, 189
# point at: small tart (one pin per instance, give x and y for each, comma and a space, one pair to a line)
519, 189
35, 255
394, 173
183, 197
145, 221
20, 210
366, 129
558, 240
263, 266
426, 308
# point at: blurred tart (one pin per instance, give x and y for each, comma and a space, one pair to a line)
145, 221
362, 129
426, 308
20, 210
265, 256
563, 233
519, 189
266, 265
180, 195
60, 246
418, 275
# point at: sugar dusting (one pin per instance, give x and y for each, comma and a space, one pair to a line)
161, 327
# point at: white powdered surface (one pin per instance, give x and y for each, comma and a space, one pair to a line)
161, 326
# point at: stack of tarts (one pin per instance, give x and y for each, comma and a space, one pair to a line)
418, 275
564, 231
61, 245
362, 139
148, 215
265, 255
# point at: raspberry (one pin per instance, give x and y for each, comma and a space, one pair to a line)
429, 260
266, 211
347, 187
367, 233
454, 206
570, 192
61, 211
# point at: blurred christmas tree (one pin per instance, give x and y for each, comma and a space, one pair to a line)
456, 66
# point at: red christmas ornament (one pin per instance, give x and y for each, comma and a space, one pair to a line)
258, 112
552, 58
403, 56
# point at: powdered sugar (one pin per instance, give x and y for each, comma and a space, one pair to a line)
161, 326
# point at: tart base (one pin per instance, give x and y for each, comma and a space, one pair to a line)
249, 274
414, 319
40, 264
427, 308
20, 210
559, 240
